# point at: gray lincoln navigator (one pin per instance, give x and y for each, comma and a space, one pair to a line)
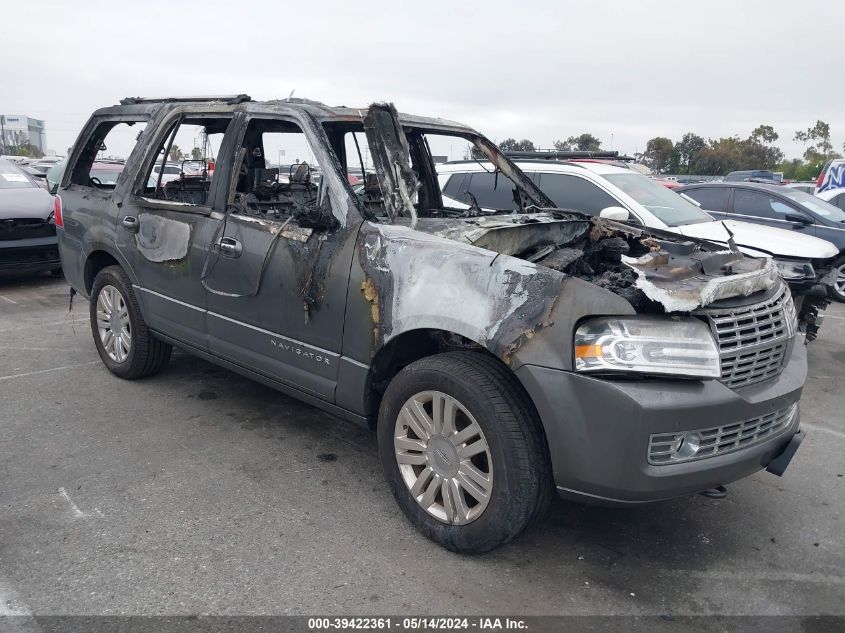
498, 355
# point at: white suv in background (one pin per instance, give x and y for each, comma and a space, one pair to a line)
614, 191
617, 192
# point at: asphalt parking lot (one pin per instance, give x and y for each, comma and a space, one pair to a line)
197, 491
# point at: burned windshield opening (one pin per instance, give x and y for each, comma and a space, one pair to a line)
426, 149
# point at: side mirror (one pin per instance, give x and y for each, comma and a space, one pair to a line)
619, 214
797, 217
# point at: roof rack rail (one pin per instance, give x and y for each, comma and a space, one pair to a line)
568, 155
232, 99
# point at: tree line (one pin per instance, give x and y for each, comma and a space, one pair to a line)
693, 154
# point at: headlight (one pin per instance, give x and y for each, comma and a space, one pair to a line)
652, 345
792, 271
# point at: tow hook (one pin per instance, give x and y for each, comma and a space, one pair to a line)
717, 492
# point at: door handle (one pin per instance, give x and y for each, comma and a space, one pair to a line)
229, 247
130, 223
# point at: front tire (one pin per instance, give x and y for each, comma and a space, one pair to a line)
837, 290
125, 344
463, 451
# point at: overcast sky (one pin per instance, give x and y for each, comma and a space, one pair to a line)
539, 70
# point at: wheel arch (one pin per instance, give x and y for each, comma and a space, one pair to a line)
100, 256
406, 348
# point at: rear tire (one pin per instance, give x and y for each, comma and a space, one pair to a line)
125, 344
837, 291
494, 443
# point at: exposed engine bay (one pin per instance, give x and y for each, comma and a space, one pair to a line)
655, 273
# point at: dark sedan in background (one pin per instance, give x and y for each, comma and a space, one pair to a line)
27, 233
780, 206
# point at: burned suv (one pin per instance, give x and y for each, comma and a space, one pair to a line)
498, 356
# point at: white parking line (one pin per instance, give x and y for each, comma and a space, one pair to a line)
44, 371
4, 297
26, 326
830, 316
79, 514
37, 349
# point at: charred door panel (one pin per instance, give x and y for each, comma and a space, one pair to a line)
277, 277
239, 254
291, 327
165, 247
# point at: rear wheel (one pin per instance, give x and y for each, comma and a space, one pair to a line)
463, 451
837, 290
125, 344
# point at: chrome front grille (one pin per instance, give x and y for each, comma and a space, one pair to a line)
685, 446
753, 340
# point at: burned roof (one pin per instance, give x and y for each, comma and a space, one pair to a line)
243, 103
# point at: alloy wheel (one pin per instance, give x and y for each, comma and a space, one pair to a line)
113, 323
839, 283
443, 457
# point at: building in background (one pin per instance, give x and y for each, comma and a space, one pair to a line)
18, 130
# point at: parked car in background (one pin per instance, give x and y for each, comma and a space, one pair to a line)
169, 172
750, 174
836, 197
669, 184
104, 173
27, 233
38, 175
781, 207
497, 358
614, 191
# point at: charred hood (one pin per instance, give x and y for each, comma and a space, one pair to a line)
655, 271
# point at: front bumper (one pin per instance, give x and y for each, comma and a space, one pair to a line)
38, 253
598, 430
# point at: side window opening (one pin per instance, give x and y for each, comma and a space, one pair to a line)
277, 177
184, 161
104, 155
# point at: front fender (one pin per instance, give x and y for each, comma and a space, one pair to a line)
521, 312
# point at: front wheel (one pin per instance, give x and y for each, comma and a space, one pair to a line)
125, 344
463, 451
837, 290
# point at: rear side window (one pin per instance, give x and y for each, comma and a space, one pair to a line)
839, 201
184, 160
710, 198
112, 140
492, 190
454, 187
572, 192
